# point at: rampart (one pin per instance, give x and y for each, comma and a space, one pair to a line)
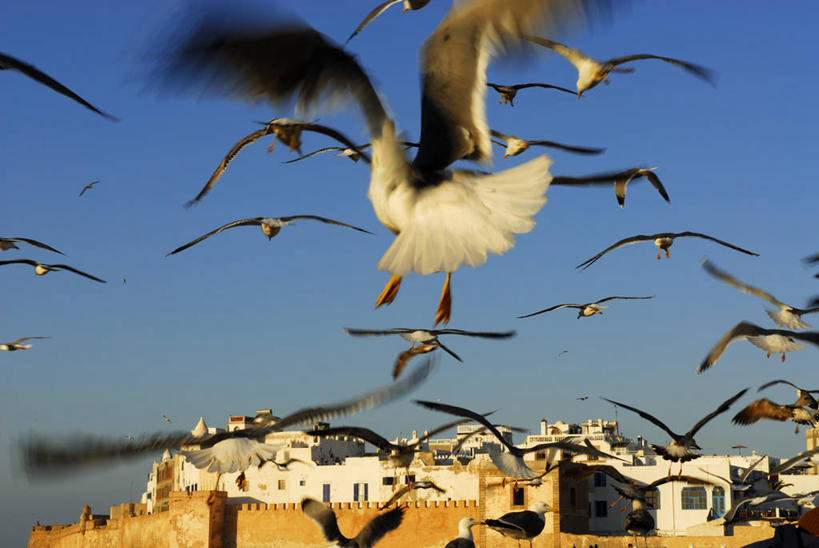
191, 522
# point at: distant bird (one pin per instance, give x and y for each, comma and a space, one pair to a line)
787, 316
524, 525
811, 259
591, 72
411, 486
582, 398
620, 179
87, 187
464, 538
128, 437
41, 269
166, 418
805, 410
432, 210
427, 339
375, 529
515, 145
8, 62
353, 153
271, 226
562, 352
381, 8
511, 463
681, 449
287, 131
40, 454
663, 241
8, 243
507, 93
18, 344
772, 340
585, 309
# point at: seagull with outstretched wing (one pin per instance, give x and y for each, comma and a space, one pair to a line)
18, 344
8, 243
620, 179
41, 269
585, 309
384, 6
508, 93
375, 529
516, 145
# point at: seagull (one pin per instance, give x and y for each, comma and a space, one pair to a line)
508, 93
18, 344
787, 316
586, 309
663, 241
45, 455
511, 462
426, 339
562, 352
681, 447
805, 410
166, 418
41, 268
803, 396
381, 8
367, 537
591, 72
8, 243
524, 525
269, 225
287, 131
87, 187
464, 538
639, 520
353, 153
582, 398
411, 486
515, 145
621, 179
772, 340
7, 62
432, 209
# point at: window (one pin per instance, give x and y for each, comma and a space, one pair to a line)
653, 498
572, 496
360, 492
282, 485
601, 509
518, 496
302, 483
599, 479
325, 492
693, 498
409, 479
540, 455
388, 480
718, 501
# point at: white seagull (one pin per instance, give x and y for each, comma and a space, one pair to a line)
18, 344
269, 225
591, 72
585, 309
772, 340
41, 269
620, 179
663, 241
8, 243
376, 528
381, 8
516, 145
787, 316
442, 218
464, 538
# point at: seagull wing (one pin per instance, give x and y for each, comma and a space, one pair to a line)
9, 62
316, 152
646, 416
707, 237
357, 432
745, 288
462, 412
763, 409
483, 334
75, 271
556, 307
655, 182
574, 56
396, 496
35, 243
377, 332
323, 220
790, 463
703, 73
449, 351
20, 261
241, 222
625, 241
24, 339
454, 60
812, 259
569, 148
378, 10
324, 518
547, 86
742, 330
724, 406
626, 298
780, 381
379, 526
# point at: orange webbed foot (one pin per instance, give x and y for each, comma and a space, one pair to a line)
390, 291
444, 311
783, 357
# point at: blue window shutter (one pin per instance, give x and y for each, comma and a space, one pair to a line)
366, 492
355, 491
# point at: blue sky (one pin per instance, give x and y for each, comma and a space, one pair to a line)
238, 323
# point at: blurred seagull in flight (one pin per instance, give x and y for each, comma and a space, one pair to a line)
586, 309
270, 227
41, 269
8, 243
87, 187
787, 316
773, 340
805, 410
516, 145
166, 418
381, 8
442, 218
353, 153
663, 241
507, 93
620, 179
18, 344
7, 62
375, 529
591, 72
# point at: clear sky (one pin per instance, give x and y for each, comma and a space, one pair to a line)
238, 323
